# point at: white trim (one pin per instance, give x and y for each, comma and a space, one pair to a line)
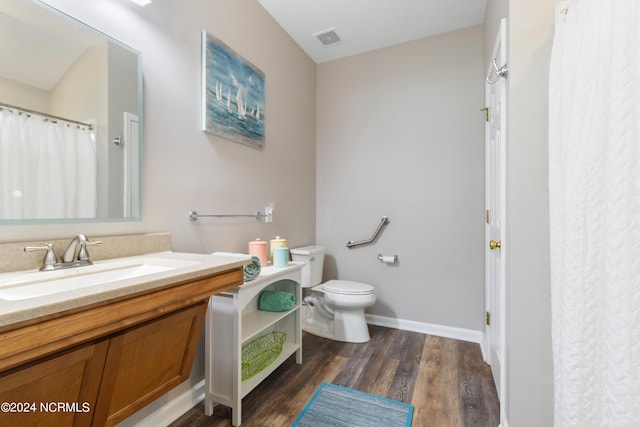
429, 329
131, 167
170, 410
484, 347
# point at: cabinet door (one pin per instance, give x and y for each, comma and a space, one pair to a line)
145, 362
57, 391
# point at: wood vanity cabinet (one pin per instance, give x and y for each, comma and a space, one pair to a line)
109, 360
33, 393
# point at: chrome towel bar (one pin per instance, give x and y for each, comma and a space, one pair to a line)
384, 221
194, 216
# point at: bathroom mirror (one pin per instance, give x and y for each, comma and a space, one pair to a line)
70, 119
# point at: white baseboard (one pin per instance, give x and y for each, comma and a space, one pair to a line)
171, 410
168, 410
428, 328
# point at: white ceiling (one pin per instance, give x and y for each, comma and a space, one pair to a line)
365, 25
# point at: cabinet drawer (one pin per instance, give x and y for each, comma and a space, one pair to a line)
147, 361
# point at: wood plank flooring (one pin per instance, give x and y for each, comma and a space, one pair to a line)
446, 380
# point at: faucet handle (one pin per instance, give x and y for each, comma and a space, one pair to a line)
83, 254
50, 257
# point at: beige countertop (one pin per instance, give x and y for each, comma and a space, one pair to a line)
16, 305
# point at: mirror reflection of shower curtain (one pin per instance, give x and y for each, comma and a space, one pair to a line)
47, 169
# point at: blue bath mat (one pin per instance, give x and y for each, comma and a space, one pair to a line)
337, 406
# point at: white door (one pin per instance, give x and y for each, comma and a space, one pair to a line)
495, 250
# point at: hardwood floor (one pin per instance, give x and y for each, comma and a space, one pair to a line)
446, 380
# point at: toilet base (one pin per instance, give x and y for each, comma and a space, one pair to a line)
335, 329
318, 329
357, 332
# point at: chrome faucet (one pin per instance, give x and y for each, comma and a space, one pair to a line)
70, 253
71, 258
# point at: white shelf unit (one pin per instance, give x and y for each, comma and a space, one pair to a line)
233, 318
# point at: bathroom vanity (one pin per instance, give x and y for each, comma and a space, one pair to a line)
97, 354
234, 320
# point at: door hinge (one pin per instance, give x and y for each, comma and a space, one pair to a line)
487, 216
487, 318
486, 113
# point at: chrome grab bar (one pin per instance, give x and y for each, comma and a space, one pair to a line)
384, 221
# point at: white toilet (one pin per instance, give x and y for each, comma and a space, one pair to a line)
334, 309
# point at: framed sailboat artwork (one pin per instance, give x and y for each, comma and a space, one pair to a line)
233, 94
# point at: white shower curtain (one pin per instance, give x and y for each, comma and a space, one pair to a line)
594, 184
47, 169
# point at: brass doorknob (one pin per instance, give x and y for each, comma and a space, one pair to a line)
494, 245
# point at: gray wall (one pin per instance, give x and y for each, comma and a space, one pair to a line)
400, 133
528, 298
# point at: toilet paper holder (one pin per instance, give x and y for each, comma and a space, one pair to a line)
389, 259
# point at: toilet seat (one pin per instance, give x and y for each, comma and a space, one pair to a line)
347, 287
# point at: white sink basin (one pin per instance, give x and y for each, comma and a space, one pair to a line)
35, 284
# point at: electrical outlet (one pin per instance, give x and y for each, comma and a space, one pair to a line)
268, 211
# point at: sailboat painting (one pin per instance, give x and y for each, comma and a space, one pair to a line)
233, 94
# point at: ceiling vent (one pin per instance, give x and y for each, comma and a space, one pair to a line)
328, 37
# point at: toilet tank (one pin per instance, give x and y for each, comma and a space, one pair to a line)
313, 257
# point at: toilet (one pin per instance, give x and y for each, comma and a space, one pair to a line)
334, 309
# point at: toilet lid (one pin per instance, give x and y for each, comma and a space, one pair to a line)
346, 287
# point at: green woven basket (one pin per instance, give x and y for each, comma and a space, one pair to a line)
258, 353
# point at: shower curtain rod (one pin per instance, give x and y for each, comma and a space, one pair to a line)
50, 116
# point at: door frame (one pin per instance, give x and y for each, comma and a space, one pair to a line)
132, 166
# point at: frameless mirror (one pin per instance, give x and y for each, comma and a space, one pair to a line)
70, 119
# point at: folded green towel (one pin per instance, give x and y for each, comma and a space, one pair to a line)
251, 271
276, 301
